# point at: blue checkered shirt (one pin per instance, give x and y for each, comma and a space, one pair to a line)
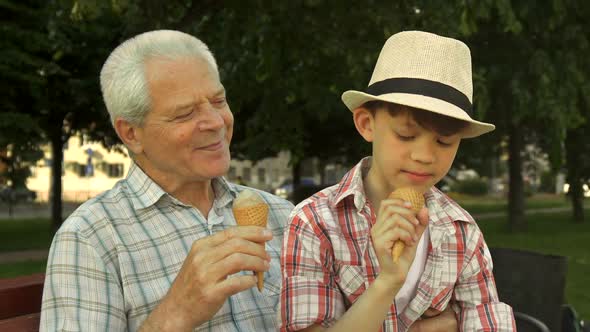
117, 255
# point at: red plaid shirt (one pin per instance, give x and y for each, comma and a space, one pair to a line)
328, 261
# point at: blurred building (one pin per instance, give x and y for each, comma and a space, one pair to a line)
89, 169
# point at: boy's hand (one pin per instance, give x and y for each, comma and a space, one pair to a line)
396, 221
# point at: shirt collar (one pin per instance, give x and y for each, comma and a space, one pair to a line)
225, 192
442, 209
145, 192
352, 185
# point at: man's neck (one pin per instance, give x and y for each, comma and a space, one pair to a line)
197, 193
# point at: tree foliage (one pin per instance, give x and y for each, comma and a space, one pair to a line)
285, 65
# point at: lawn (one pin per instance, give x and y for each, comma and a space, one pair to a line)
10, 270
24, 234
478, 205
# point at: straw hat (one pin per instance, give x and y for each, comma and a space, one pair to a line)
425, 71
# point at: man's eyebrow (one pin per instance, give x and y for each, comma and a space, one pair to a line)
219, 92
182, 105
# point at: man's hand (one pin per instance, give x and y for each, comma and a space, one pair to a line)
446, 321
202, 284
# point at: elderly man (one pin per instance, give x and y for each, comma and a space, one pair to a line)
161, 251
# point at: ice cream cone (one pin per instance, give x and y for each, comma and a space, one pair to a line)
417, 200
251, 210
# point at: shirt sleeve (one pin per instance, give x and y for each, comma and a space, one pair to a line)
309, 293
80, 293
476, 294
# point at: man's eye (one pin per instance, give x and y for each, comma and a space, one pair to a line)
184, 115
220, 101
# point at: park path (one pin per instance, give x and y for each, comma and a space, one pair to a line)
37, 255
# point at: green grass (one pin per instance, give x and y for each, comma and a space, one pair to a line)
555, 234
477, 205
24, 234
10, 270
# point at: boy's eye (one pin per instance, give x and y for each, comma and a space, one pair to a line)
405, 138
444, 143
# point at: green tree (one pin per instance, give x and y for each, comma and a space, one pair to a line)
521, 56
19, 73
56, 84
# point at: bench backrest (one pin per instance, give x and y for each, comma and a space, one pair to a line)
20, 302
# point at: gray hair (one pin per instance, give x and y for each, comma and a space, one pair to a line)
123, 80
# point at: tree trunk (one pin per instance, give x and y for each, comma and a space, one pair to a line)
56, 185
296, 171
574, 178
516, 219
577, 195
322, 171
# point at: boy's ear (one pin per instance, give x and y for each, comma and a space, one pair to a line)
364, 121
130, 135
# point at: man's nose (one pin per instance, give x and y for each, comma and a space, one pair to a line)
211, 119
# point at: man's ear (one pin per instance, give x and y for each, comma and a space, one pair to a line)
364, 121
131, 135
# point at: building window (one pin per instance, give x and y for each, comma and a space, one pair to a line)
261, 175
115, 170
246, 174
80, 170
231, 174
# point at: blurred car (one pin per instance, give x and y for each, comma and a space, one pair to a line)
285, 189
17, 195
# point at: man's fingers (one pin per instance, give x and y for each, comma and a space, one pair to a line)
250, 233
236, 263
236, 284
238, 245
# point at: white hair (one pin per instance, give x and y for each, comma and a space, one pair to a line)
122, 77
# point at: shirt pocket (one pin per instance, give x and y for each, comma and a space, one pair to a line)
442, 298
352, 280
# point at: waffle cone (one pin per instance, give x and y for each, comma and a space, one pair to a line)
417, 200
252, 215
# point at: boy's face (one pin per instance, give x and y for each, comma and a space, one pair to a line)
404, 153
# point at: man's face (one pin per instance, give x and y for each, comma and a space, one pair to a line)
186, 135
408, 155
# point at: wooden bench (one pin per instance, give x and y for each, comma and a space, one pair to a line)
20, 303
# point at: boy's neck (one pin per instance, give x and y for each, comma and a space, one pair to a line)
375, 189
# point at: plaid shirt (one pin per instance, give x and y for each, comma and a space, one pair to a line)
328, 261
117, 255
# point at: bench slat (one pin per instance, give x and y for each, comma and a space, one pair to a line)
25, 323
21, 295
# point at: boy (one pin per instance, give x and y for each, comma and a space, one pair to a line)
338, 272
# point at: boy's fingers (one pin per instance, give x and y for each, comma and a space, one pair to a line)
422, 216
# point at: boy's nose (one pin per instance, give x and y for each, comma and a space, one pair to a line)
424, 153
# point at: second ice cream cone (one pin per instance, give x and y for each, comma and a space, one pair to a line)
417, 201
